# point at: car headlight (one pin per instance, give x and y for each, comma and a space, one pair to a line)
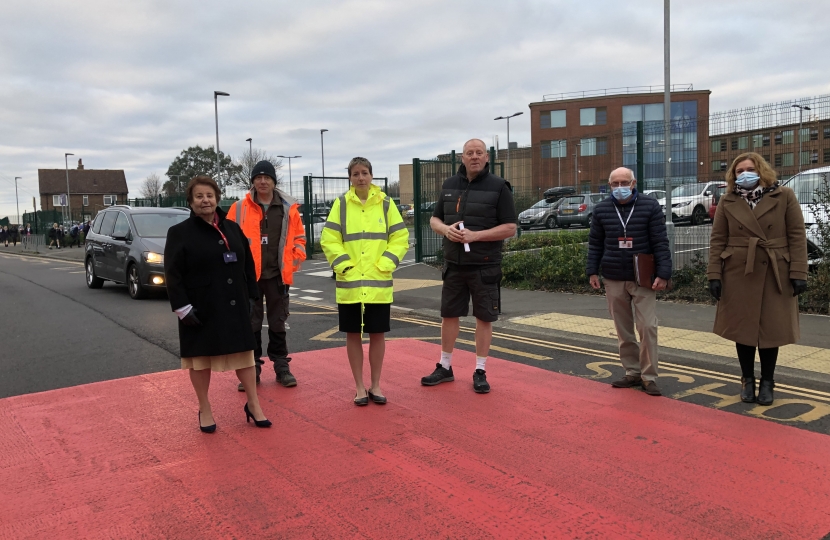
153, 258
681, 204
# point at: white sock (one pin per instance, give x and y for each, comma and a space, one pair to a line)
480, 361
446, 359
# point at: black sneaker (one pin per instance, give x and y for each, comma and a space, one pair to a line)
480, 384
241, 386
438, 376
286, 379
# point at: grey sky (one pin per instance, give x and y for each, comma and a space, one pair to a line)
130, 84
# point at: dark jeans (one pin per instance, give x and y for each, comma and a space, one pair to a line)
276, 303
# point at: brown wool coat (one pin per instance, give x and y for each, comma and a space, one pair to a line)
756, 307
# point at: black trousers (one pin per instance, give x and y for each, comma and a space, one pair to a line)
275, 295
746, 356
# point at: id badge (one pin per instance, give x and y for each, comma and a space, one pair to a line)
626, 242
264, 240
229, 256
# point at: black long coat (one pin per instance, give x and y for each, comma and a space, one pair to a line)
197, 274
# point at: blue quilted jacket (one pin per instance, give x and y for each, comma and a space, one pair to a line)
647, 227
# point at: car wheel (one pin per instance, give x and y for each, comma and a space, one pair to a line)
698, 215
137, 290
590, 220
551, 223
92, 281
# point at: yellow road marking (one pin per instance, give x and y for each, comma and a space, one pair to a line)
506, 350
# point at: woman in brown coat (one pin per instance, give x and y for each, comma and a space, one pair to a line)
757, 268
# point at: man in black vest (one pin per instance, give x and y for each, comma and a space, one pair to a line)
474, 215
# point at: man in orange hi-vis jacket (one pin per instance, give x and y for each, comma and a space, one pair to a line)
271, 220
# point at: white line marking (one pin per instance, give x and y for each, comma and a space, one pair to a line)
320, 274
310, 298
311, 291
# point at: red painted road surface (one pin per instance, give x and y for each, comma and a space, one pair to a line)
544, 455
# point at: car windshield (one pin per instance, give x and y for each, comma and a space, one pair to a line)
688, 190
156, 225
573, 200
806, 186
542, 204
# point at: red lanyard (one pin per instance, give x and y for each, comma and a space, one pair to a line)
216, 226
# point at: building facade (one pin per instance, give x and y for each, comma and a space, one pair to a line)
90, 190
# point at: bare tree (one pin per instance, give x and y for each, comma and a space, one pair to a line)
247, 162
151, 187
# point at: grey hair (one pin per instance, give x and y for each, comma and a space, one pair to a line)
359, 161
633, 178
464, 148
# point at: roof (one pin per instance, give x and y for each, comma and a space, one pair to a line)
85, 181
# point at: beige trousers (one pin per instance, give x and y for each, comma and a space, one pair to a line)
637, 359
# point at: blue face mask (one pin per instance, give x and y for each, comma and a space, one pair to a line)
621, 193
747, 180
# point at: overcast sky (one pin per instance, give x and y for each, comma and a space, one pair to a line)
128, 85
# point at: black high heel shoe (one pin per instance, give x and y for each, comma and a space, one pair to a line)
257, 423
206, 429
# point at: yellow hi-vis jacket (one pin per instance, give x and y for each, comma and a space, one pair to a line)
363, 244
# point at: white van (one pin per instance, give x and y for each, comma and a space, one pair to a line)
805, 184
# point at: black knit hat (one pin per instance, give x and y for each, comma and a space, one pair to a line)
264, 167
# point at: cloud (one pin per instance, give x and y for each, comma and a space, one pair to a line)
130, 84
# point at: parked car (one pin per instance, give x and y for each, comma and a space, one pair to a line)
805, 185
655, 193
578, 209
541, 214
556, 193
691, 202
717, 193
126, 245
426, 208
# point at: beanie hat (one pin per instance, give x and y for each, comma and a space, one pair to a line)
264, 167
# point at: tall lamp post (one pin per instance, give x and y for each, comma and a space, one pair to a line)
289, 158
250, 146
508, 137
68, 204
17, 202
801, 109
323, 158
559, 161
216, 95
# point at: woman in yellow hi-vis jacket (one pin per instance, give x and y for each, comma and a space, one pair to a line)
364, 240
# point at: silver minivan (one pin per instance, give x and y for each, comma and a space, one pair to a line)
578, 209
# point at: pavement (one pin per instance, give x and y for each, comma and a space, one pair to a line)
544, 455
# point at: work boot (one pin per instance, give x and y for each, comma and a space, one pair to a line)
765, 394
480, 384
286, 379
438, 376
628, 381
748, 389
650, 388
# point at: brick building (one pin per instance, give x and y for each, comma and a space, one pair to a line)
90, 190
578, 138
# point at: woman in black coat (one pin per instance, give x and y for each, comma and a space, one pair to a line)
211, 283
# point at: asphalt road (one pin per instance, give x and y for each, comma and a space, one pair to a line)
58, 333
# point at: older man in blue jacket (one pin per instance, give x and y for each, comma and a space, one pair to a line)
626, 223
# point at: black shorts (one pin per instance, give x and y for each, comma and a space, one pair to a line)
376, 318
463, 282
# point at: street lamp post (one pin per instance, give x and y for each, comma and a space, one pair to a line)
323, 158
17, 202
559, 162
216, 95
289, 158
68, 204
508, 138
801, 109
250, 146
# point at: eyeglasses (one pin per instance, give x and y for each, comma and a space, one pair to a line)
619, 184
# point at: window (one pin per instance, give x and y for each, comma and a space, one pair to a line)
718, 165
813, 134
766, 158
109, 200
56, 200
122, 226
787, 159
554, 149
107, 224
602, 146
86, 200
787, 136
734, 144
757, 141
552, 119
766, 139
827, 155
588, 147
805, 157
632, 113
654, 112
778, 160
778, 138
804, 134
719, 146
741, 143
96, 227
593, 116
827, 132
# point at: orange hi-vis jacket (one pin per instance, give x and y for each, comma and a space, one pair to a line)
248, 214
